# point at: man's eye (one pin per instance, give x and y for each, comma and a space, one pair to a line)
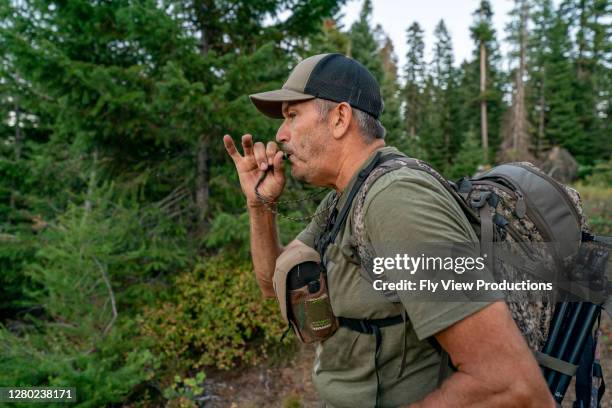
292, 115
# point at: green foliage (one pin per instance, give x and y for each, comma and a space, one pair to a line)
414, 73
230, 233
364, 47
330, 39
116, 275
215, 317
597, 201
600, 175
102, 375
469, 157
186, 389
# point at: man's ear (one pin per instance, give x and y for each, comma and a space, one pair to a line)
341, 117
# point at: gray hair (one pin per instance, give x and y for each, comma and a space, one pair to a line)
369, 127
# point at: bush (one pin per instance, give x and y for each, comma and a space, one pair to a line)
94, 268
600, 175
105, 373
216, 318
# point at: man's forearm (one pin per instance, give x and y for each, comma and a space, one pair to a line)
265, 246
464, 390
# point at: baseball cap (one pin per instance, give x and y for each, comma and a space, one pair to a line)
334, 77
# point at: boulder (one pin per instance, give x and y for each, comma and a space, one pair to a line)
560, 165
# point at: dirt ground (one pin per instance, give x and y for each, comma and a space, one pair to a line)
288, 384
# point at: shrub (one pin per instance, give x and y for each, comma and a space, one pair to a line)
216, 318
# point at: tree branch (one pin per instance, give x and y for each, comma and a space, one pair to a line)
111, 295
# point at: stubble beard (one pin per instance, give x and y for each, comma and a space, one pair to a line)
312, 149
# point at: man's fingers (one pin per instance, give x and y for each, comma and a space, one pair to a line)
279, 164
247, 145
271, 149
228, 142
260, 155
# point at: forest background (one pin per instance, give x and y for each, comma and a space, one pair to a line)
124, 255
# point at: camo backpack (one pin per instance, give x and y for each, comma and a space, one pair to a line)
515, 203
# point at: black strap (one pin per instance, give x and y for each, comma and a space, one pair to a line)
586, 237
372, 326
336, 222
366, 326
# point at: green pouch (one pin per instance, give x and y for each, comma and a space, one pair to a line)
311, 313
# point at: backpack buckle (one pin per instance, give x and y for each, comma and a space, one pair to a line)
481, 200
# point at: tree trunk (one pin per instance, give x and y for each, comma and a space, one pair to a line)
18, 146
202, 192
519, 106
483, 101
516, 143
541, 117
519, 135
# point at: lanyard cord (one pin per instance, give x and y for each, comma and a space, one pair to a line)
272, 205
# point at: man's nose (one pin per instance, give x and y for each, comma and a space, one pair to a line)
282, 135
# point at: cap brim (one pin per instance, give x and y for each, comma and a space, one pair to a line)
271, 103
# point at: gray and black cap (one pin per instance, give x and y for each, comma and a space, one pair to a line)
334, 77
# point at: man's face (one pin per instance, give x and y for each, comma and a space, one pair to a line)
305, 138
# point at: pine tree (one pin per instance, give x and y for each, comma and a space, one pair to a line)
591, 93
481, 82
331, 39
516, 143
370, 47
540, 59
469, 157
444, 138
482, 33
414, 74
391, 117
364, 47
115, 113
562, 124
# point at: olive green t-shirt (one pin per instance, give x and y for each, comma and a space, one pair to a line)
404, 205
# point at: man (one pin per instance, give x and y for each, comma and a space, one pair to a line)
331, 105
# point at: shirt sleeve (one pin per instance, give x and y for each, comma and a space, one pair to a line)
407, 209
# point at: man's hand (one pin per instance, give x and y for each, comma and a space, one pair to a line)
495, 367
256, 160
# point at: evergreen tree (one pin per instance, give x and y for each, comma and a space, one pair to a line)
414, 75
539, 57
115, 116
391, 117
562, 125
469, 157
591, 88
481, 82
483, 34
443, 138
516, 143
370, 47
330, 39
364, 47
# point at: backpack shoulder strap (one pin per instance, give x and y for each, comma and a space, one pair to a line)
336, 221
394, 162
